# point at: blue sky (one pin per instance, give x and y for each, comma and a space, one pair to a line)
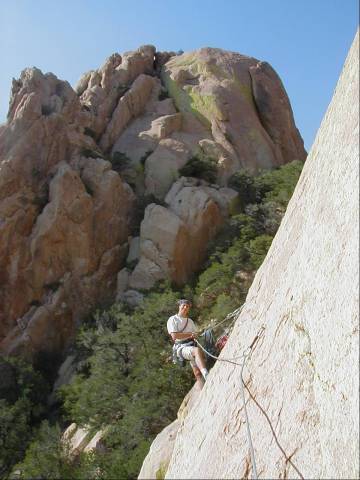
306, 41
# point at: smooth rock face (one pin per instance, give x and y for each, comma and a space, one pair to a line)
304, 369
241, 101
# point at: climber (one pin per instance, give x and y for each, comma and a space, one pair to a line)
183, 332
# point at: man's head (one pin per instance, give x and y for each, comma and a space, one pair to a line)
184, 307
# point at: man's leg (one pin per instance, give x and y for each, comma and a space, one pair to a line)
200, 361
197, 374
195, 355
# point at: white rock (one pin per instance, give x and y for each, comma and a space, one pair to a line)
132, 298
134, 250
165, 125
162, 166
96, 443
122, 281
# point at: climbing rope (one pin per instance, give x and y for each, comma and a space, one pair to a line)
233, 314
245, 356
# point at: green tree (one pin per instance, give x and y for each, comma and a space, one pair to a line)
20, 409
258, 249
130, 385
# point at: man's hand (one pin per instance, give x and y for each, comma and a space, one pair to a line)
194, 335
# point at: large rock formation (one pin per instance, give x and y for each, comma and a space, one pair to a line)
303, 370
67, 161
241, 101
64, 216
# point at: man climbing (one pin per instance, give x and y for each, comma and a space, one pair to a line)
183, 332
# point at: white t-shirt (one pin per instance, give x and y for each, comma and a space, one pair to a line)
176, 323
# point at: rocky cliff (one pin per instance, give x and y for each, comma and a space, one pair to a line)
77, 164
302, 309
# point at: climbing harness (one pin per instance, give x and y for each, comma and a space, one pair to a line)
177, 358
245, 355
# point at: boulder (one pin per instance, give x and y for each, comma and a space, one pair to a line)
129, 107
165, 125
122, 282
79, 439
101, 90
134, 250
65, 214
132, 298
234, 97
162, 167
173, 240
157, 460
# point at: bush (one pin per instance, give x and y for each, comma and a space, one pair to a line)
244, 183
163, 95
278, 185
46, 110
258, 249
120, 161
86, 152
129, 386
203, 168
21, 408
88, 131
48, 457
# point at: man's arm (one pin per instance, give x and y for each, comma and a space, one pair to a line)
182, 335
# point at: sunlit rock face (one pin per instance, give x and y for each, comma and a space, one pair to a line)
242, 102
64, 217
303, 370
75, 162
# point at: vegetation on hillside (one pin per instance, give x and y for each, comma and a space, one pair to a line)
125, 379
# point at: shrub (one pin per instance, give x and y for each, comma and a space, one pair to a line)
244, 183
90, 132
48, 457
86, 152
20, 409
200, 168
120, 161
46, 110
277, 185
145, 156
258, 249
163, 95
129, 385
